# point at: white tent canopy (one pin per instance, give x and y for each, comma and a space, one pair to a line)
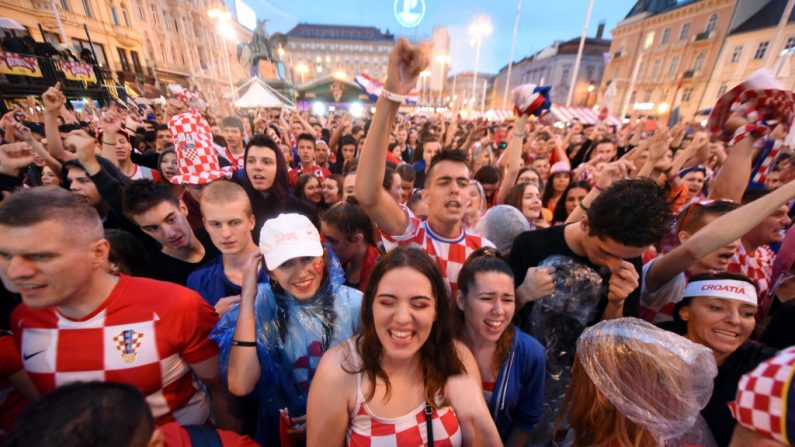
260, 94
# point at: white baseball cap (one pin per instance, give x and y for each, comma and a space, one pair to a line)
286, 237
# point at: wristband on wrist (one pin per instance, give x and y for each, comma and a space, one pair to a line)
244, 344
597, 187
585, 208
394, 97
109, 144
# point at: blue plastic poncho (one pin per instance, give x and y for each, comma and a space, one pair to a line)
291, 337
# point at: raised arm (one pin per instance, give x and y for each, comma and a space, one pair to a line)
406, 61
53, 100
732, 179
718, 233
244, 368
512, 158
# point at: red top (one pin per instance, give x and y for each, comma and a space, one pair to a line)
175, 435
146, 333
11, 401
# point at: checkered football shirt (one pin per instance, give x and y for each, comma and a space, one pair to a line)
146, 334
765, 398
758, 267
449, 254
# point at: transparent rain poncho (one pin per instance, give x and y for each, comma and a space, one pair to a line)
656, 378
556, 321
291, 337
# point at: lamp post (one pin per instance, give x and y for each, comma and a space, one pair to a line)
301, 68
423, 76
480, 28
227, 32
590, 90
442, 60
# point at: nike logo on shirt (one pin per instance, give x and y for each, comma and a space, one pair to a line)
27, 357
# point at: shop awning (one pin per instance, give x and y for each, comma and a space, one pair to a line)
585, 115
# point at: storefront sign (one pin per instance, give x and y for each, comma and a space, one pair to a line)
78, 71
19, 64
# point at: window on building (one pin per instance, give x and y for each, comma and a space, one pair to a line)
564, 74
665, 36
790, 43
687, 94
655, 69
722, 89
136, 62
125, 64
114, 15
139, 9
87, 8
674, 66
99, 50
155, 14
65, 5
698, 64
737, 52
641, 70
761, 50
125, 15
685, 31
649, 41
51, 38
647, 96
713, 20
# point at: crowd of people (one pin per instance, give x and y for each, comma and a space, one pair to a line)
170, 277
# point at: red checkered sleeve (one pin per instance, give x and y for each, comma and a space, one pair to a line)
193, 328
412, 233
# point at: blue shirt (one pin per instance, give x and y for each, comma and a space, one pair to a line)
211, 283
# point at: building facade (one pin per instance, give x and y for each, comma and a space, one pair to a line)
465, 84
316, 51
750, 46
141, 43
662, 55
554, 66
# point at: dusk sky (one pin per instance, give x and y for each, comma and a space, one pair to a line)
541, 22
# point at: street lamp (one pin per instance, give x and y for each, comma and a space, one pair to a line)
442, 59
423, 76
479, 28
228, 31
301, 69
339, 74
590, 90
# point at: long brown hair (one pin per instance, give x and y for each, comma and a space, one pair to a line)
438, 356
484, 260
596, 421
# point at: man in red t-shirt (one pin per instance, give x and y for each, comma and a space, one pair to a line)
305, 146
78, 322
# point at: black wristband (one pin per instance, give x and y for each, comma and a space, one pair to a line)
246, 344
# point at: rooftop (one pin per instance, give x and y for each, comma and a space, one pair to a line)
339, 32
656, 6
767, 17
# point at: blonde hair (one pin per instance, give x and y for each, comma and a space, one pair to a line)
224, 191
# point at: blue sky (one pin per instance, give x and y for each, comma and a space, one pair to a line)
541, 22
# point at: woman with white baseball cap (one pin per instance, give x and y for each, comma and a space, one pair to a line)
718, 311
272, 342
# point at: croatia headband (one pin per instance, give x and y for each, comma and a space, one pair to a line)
728, 289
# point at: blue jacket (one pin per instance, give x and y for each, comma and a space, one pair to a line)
211, 283
518, 397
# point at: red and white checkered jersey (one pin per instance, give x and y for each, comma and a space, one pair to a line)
146, 333
449, 254
765, 397
758, 267
365, 429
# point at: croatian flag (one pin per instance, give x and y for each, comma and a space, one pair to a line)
373, 88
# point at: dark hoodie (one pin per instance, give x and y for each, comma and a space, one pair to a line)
278, 199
